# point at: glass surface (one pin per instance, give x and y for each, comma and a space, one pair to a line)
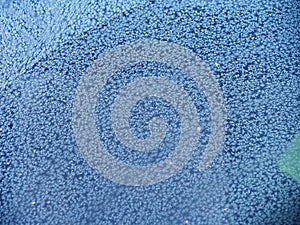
149, 112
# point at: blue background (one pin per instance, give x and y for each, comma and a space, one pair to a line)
253, 50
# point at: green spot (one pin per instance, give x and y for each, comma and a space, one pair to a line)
290, 162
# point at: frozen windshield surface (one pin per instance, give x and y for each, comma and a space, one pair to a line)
149, 112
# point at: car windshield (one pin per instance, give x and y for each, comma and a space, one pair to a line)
150, 112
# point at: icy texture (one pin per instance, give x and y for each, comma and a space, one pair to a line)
253, 51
